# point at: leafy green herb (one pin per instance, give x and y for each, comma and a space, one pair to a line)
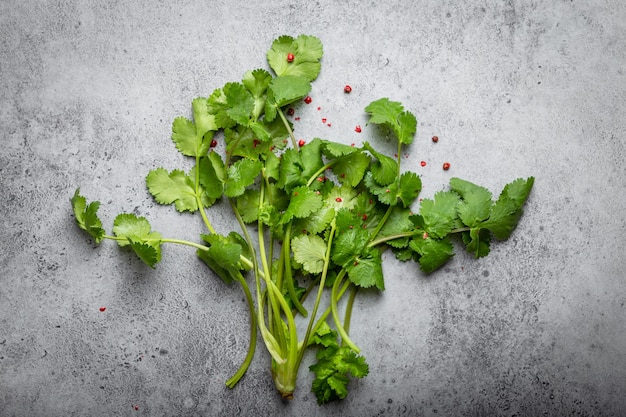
323, 213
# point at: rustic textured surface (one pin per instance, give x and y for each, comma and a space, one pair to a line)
512, 88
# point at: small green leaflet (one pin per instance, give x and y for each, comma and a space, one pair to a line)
87, 216
175, 187
438, 216
392, 115
303, 202
387, 194
476, 201
335, 364
257, 82
398, 222
409, 188
477, 242
307, 51
240, 175
212, 175
384, 169
310, 251
284, 90
350, 168
507, 210
139, 236
223, 255
363, 264
194, 139
433, 252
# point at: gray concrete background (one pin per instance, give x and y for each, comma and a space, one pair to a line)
512, 88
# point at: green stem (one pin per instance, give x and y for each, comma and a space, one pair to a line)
252, 345
349, 305
288, 272
305, 341
335, 312
286, 123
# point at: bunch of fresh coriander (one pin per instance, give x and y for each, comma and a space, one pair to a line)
323, 211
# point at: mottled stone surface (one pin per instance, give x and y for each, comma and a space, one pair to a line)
512, 88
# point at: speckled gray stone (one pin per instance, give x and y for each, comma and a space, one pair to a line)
512, 89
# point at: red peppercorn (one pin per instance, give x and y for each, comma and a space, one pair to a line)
213, 143
435, 139
425, 236
446, 166
347, 89
308, 99
423, 163
357, 129
290, 111
290, 57
338, 199
324, 120
103, 308
301, 142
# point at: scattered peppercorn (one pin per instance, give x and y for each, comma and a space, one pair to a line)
347, 89
446, 166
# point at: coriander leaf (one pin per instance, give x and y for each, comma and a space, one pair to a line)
212, 186
204, 121
332, 150
240, 175
476, 201
297, 167
240, 103
248, 205
139, 236
350, 168
335, 364
477, 242
398, 222
189, 140
343, 197
149, 254
218, 107
310, 251
392, 115
303, 202
433, 252
223, 256
257, 82
409, 188
347, 245
387, 195
86, 216
439, 215
366, 271
307, 51
384, 169
507, 209
172, 187
317, 221
285, 90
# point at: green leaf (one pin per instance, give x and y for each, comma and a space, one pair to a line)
194, 139
392, 115
310, 251
439, 215
398, 222
240, 175
307, 51
350, 168
297, 167
384, 169
476, 201
333, 150
303, 202
317, 221
223, 255
366, 270
285, 90
433, 252
386, 194
409, 188
218, 106
139, 236
248, 205
239, 101
477, 242
172, 187
507, 210
211, 176
86, 216
257, 82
